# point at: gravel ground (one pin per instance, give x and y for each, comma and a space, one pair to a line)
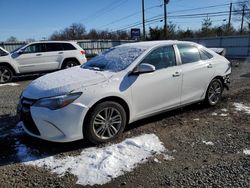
206, 144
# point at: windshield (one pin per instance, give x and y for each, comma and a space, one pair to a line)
17, 48
114, 59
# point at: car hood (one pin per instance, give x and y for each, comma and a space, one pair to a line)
63, 82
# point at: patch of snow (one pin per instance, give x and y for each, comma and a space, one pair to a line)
246, 151
168, 157
116, 59
209, 143
223, 115
241, 107
224, 110
196, 119
156, 160
214, 114
64, 81
100, 165
9, 84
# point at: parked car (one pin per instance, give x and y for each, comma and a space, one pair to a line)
122, 85
40, 57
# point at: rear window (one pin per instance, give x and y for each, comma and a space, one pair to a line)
188, 53
52, 47
205, 55
68, 46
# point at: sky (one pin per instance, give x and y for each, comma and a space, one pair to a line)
38, 19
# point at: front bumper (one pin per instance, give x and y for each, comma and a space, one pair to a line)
62, 125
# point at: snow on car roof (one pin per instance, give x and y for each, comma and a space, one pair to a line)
149, 44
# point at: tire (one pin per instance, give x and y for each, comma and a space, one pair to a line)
6, 74
69, 63
214, 92
99, 127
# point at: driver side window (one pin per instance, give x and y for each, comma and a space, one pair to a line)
34, 48
162, 57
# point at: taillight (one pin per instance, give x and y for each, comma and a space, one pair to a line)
83, 52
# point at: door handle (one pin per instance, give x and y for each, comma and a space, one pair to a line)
176, 74
38, 54
210, 66
60, 53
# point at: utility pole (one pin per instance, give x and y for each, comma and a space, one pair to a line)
143, 20
230, 17
242, 18
165, 18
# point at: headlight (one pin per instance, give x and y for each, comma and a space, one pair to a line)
55, 103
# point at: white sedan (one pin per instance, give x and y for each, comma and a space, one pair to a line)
122, 85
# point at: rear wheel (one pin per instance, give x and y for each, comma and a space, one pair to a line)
6, 74
214, 92
105, 122
69, 63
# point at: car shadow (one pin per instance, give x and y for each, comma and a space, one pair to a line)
18, 147
26, 77
196, 107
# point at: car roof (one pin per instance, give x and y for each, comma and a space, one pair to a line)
150, 44
38, 42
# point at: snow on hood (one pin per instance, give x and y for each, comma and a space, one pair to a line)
63, 82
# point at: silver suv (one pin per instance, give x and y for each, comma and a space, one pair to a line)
40, 57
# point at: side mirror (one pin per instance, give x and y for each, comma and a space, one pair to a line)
144, 68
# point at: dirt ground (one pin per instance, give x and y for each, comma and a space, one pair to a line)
206, 144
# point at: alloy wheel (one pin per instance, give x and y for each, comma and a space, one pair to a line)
70, 64
107, 123
5, 74
214, 92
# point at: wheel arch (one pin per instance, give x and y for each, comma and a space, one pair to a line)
119, 100
68, 59
9, 66
218, 77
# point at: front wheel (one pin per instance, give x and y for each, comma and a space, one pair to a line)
214, 92
105, 122
5, 74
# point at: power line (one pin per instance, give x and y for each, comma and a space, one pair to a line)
198, 8
129, 16
186, 16
111, 6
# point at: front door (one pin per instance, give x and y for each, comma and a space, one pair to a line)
31, 58
154, 92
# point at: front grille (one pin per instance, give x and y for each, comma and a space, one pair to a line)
26, 116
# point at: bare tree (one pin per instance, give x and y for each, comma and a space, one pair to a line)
12, 39
74, 32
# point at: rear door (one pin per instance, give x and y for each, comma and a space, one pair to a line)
197, 72
159, 90
54, 56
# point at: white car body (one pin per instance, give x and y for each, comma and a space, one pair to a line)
141, 95
23, 61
